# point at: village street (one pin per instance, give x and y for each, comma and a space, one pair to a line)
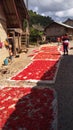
63, 85
36, 78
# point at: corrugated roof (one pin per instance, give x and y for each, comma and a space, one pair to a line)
65, 25
60, 23
38, 27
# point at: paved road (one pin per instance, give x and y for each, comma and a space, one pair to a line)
64, 89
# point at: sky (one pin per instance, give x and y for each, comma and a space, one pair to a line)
58, 10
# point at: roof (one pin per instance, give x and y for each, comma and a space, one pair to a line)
18, 30
38, 27
15, 12
61, 24
68, 20
65, 25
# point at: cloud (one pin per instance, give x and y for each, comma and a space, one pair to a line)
65, 13
57, 9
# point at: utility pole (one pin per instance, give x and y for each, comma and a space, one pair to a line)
27, 4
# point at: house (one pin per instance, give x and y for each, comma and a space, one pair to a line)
57, 29
12, 16
69, 22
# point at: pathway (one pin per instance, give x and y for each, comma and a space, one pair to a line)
64, 89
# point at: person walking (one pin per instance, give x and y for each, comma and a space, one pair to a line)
65, 42
58, 40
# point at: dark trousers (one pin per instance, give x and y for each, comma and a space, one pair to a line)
65, 48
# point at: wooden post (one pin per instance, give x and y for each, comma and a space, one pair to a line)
18, 42
14, 43
27, 34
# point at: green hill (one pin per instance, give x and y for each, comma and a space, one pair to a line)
35, 19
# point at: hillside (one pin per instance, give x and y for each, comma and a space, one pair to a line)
39, 19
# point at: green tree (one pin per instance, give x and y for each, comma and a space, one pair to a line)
34, 35
36, 25
37, 18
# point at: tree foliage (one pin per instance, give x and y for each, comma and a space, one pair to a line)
37, 18
35, 34
39, 22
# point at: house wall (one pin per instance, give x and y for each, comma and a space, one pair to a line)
10, 20
69, 22
70, 33
55, 30
3, 28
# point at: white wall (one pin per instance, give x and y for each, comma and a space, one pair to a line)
3, 27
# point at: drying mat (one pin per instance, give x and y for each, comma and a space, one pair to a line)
28, 109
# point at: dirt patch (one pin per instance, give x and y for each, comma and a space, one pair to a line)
16, 65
